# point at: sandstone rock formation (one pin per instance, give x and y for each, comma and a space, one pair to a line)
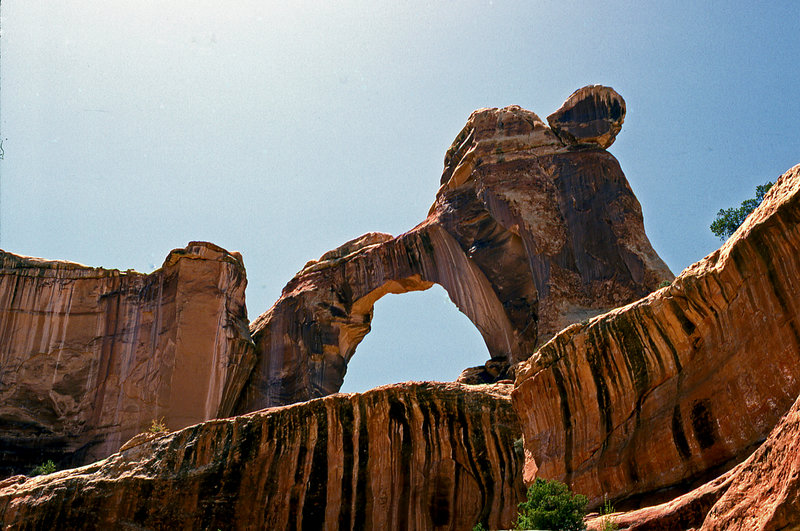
591, 116
689, 379
91, 356
407, 456
527, 234
760, 494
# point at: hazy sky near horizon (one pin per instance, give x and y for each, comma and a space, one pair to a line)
282, 130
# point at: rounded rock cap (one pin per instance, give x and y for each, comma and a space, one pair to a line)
592, 115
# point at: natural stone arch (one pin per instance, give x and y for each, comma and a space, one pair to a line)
531, 230
305, 341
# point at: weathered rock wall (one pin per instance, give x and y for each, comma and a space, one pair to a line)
690, 378
528, 234
90, 356
760, 494
407, 456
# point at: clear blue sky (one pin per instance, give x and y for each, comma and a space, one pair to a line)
283, 129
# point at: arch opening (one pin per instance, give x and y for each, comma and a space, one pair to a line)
419, 335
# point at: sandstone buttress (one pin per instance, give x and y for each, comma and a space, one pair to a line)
90, 356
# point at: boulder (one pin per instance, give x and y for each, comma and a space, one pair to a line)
591, 116
682, 383
91, 356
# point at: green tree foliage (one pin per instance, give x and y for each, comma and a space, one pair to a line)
551, 505
728, 220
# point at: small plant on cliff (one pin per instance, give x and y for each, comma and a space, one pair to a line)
551, 505
608, 523
48, 467
158, 426
479, 527
728, 220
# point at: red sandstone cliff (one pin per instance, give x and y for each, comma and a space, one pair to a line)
760, 494
685, 381
533, 228
407, 456
90, 356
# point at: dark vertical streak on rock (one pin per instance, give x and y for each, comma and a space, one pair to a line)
633, 350
762, 249
347, 418
277, 439
566, 419
703, 424
359, 520
398, 414
477, 448
299, 480
678, 435
593, 357
677, 311
317, 485
502, 449
664, 338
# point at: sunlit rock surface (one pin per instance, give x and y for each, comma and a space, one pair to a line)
405, 456
527, 235
90, 356
687, 380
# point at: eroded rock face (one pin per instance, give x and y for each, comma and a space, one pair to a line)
762, 493
407, 456
592, 115
91, 356
692, 377
527, 235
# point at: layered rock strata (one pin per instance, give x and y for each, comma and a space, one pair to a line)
91, 356
408, 456
527, 234
692, 377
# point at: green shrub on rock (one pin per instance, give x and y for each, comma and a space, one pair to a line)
552, 506
48, 467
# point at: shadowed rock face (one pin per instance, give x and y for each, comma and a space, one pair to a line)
592, 115
527, 235
407, 456
692, 377
91, 356
762, 493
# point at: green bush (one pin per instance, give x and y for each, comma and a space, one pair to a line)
48, 467
552, 506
